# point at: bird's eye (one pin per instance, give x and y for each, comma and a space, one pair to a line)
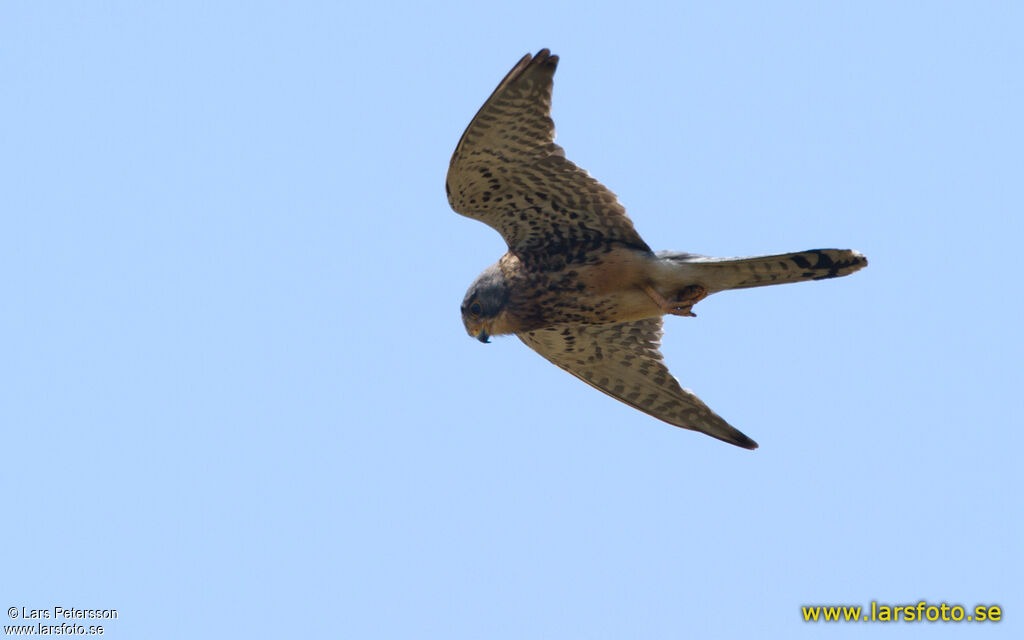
476, 309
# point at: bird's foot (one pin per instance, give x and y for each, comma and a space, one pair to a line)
683, 304
691, 294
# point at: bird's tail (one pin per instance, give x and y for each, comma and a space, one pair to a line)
721, 274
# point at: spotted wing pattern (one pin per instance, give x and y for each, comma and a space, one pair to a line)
623, 361
508, 172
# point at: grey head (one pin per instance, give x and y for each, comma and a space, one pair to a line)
484, 303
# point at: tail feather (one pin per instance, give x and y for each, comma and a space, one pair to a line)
721, 274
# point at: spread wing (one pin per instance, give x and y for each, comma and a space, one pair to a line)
623, 361
508, 172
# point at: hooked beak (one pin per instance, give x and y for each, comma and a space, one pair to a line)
482, 336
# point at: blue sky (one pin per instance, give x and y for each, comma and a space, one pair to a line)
237, 399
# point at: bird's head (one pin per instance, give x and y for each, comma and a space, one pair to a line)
483, 309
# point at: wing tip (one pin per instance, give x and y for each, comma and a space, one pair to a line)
741, 440
731, 435
544, 57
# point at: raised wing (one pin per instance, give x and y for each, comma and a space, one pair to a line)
508, 172
623, 361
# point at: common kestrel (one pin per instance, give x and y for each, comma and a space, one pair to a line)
578, 284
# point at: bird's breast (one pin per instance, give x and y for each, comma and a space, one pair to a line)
599, 287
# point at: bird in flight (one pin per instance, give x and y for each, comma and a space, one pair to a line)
578, 284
